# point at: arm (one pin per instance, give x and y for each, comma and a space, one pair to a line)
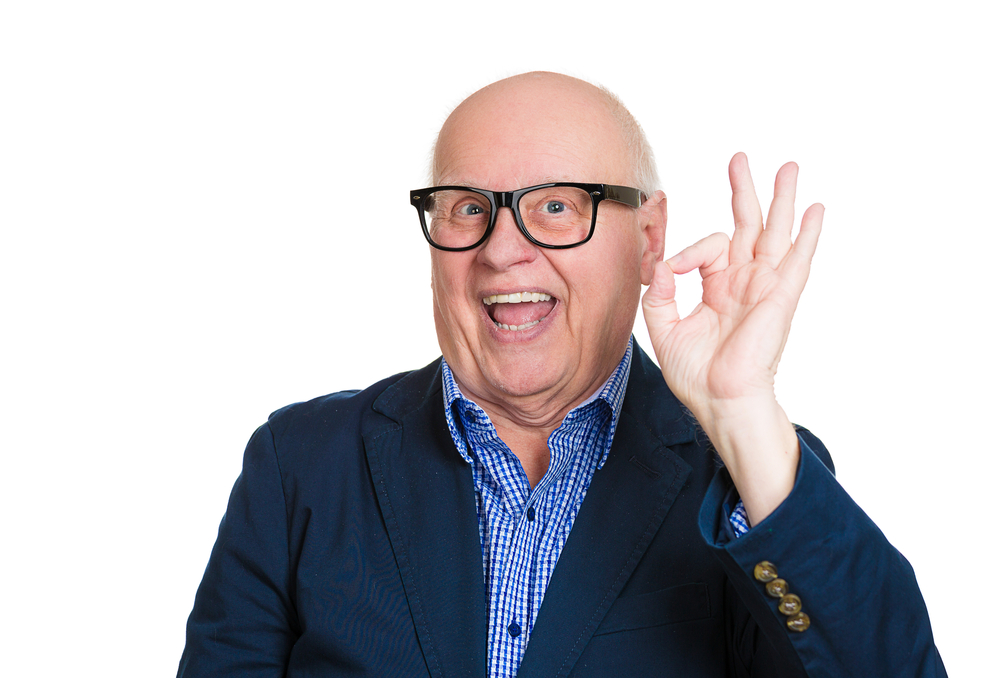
866, 613
243, 622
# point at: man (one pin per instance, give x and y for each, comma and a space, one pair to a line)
539, 502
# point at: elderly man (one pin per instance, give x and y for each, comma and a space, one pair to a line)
544, 500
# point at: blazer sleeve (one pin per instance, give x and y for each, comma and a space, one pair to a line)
243, 622
866, 614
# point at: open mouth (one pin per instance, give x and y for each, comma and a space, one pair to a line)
518, 311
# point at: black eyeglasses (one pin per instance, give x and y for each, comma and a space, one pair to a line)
557, 216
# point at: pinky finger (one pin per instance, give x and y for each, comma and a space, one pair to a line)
800, 256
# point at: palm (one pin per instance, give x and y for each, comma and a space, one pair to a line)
728, 348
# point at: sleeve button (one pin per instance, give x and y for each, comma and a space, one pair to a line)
798, 622
765, 571
776, 588
790, 604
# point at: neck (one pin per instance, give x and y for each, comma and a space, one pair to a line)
524, 423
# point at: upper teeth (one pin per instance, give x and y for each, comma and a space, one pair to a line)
516, 298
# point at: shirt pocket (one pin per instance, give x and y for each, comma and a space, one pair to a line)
688, 602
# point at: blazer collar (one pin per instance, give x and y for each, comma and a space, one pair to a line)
428, 503
426, 495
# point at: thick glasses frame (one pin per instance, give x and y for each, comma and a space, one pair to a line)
632, 197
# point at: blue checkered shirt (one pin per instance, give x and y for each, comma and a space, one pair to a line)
523, 529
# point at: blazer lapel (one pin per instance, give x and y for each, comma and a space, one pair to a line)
625, 505
428, 503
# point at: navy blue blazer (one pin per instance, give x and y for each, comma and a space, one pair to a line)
350, 547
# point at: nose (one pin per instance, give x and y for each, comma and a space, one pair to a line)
506, 245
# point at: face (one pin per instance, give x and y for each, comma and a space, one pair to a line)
574, 329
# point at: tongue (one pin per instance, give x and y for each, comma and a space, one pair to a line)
520, 314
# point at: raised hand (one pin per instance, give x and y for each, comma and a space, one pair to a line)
722, 358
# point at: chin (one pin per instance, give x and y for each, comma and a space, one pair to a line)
521, 378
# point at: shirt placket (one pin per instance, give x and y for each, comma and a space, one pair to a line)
513, 602
504, 496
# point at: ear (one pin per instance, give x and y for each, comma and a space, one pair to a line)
653, 221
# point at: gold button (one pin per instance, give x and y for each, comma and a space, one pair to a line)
765, 571
798, 622
777, 588
789, 604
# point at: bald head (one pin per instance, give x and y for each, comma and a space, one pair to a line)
516, 111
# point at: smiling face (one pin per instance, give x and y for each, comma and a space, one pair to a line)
568, 313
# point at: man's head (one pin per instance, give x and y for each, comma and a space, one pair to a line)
532, 129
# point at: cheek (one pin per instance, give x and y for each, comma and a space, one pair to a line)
443, 274
449, 279
619, 267
614, 283
629, 266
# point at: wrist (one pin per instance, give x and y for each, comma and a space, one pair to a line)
759, 447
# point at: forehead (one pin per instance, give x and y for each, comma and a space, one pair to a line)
519, 134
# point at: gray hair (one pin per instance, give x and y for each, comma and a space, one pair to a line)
644, 174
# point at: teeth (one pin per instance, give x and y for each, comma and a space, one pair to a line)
516, 298
517, 328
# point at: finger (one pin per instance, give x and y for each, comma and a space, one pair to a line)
746, 210
777, 238
709, 255
659, 307
799, 259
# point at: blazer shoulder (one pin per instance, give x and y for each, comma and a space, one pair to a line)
344, 411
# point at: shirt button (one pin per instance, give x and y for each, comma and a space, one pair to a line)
765, 571
514, 630
531, 513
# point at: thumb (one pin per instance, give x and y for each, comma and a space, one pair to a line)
659, 307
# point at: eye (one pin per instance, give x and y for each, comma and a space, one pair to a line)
470, 210
554, 207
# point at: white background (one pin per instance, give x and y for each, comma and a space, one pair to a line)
204, 217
